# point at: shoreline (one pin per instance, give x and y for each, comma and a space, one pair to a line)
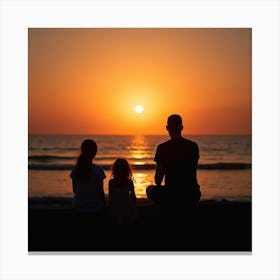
65, 202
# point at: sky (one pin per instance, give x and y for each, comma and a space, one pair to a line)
90, 80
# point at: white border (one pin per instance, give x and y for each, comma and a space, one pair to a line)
17, 16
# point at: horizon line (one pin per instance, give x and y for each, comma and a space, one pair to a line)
131, 134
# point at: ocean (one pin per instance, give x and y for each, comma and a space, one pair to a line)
224, 170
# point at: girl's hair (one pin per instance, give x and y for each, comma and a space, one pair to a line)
121, 169
84, 161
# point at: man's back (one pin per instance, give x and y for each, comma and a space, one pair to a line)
177, 161
179, 158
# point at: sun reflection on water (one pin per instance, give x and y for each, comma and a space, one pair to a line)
138, 150
141, 182
140, 155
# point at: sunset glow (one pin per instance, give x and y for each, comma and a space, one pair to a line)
139, 109
90, 80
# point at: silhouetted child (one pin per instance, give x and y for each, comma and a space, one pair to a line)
122, 198
87, 180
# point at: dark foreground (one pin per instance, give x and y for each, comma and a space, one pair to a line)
215, 227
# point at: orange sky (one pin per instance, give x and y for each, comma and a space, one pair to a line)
89, 80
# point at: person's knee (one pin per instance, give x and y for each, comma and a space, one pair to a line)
156, 193
150, 190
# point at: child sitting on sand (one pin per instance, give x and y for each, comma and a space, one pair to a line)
87, 180
122, 198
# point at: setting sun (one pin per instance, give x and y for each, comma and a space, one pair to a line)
139, 109
133, 85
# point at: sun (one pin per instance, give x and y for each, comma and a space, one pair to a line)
139, 109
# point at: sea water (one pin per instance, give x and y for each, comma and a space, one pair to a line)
224, 170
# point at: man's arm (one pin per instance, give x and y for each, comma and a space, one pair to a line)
110, 188
159, 174
73, 181
73, 186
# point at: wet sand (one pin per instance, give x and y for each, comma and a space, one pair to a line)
214, 227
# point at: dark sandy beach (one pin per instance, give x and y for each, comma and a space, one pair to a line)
216, 226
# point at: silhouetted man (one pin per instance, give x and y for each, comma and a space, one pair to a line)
176, 160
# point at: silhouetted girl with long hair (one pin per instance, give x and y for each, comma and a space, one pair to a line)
122, 198
87, 180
